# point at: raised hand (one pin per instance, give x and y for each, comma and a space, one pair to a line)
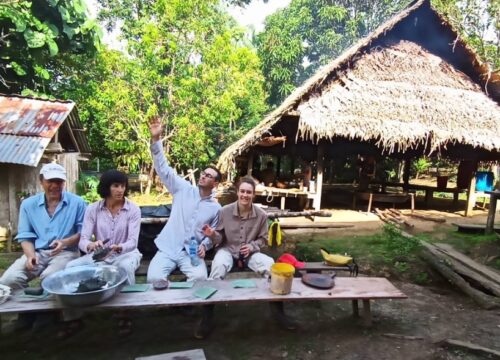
155, 128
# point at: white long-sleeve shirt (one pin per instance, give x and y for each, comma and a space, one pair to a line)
189, 212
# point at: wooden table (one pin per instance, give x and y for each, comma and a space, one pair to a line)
271, 192
346, 288
490, 221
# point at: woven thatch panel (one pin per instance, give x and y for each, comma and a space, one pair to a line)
402, 96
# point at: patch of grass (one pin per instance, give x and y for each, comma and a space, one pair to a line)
150, 199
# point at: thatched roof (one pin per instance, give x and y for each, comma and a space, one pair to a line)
396, 93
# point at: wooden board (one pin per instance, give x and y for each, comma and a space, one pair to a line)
474, 227
196, 354
316, 225
484, 270
346, 288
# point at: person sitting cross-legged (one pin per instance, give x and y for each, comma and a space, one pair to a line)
49, 229
240, 235
114, 222
192, 207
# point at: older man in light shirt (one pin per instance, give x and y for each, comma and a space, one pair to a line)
49, 230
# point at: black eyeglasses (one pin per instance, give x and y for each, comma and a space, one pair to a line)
207, 175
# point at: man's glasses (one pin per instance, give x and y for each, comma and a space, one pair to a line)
207, 175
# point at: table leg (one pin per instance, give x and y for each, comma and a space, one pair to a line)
370, 200
355, 308
412, 201
428, 197
282, 206
367, 313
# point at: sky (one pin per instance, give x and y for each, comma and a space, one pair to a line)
252, 16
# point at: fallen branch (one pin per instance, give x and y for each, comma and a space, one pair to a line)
282, 214
315, 226
484, 300
470, 273
403, 337
427, 217
473, 348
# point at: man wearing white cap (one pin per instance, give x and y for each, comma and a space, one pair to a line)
48, 230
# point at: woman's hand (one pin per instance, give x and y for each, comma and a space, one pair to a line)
116, 248
245, 250
93, 246
201, 251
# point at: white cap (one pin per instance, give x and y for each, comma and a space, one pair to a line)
53, 171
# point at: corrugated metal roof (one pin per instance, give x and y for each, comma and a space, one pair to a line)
32, 117
24, 150
27, 125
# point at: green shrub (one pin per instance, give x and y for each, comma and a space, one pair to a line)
86, 187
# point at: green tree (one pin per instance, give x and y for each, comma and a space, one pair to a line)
187, 62
34, 34
309, 33
478, 22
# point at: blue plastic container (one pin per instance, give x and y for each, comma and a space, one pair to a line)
484, 181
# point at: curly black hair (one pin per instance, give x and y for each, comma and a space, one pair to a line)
109, 178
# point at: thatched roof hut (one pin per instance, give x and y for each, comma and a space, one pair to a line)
412, 86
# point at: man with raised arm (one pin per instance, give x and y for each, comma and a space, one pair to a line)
192, 207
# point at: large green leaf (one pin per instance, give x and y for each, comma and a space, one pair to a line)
34, 39
18, 68
53, 48
70, 31
42, 72
14, 16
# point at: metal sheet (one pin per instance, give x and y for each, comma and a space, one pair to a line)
27, 125
32, 117
24, 150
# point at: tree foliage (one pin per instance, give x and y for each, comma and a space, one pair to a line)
34, 34
478, 22
188, 63
309, 33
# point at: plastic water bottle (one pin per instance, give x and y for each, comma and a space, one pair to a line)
193, 252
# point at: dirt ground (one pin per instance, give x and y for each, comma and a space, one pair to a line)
326, 330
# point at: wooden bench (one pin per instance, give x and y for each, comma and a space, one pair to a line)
356, 289
391, 198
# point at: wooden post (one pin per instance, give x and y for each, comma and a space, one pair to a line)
319, 177
406, 175
490, 221
250, 164
367, 313
471, 195
278, 167
355, 308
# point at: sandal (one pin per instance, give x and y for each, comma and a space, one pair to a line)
69, 329
124, 327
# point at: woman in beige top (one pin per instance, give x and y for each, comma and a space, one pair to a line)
241, 233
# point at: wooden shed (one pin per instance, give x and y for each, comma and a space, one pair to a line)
34, 132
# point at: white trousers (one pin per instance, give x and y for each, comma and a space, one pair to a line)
129, 261
223, 263
162, 265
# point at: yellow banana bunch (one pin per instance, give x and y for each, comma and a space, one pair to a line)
335, 259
